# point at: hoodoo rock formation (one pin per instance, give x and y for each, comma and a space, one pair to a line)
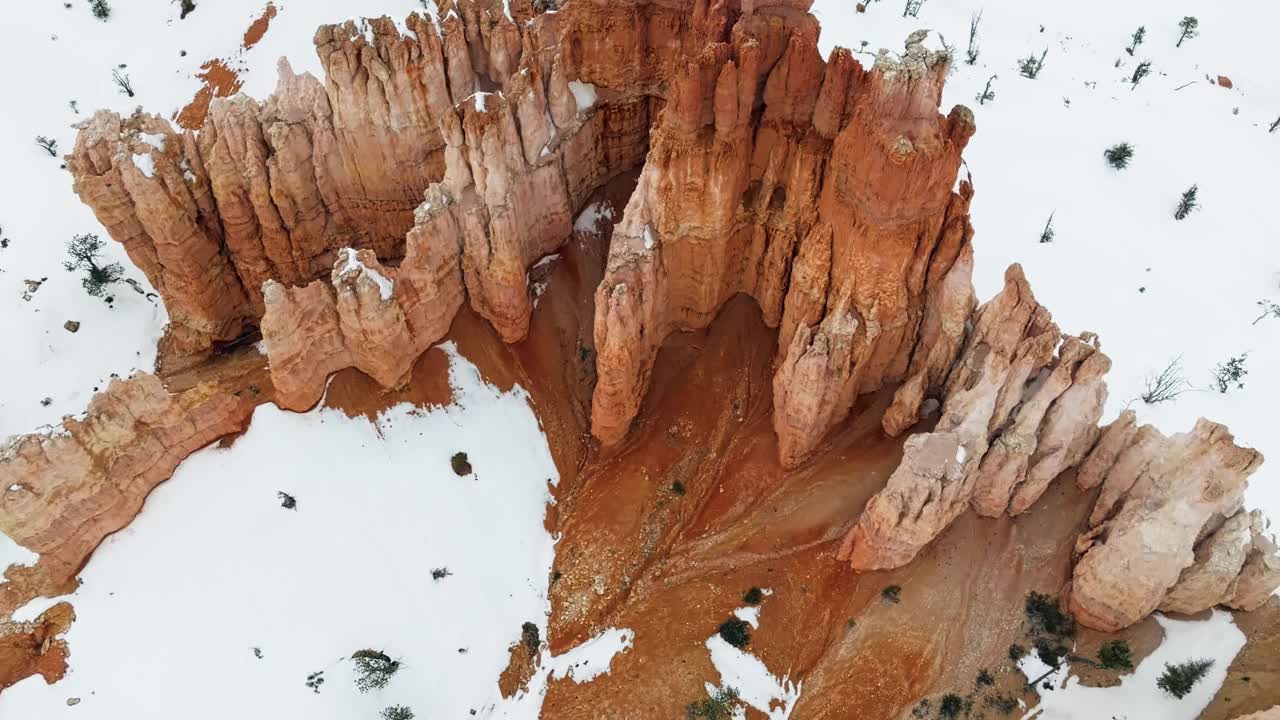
63, 491
348, 221
821, 189
1168, 528
831, 206
1019, 406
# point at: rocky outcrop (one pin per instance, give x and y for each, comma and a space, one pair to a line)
368, 316
1159, 523
1237, 565
63, 491
836, 161
1015, 415
35, 648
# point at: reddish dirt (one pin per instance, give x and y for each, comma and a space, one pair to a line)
33, 648
259, 27
218, 78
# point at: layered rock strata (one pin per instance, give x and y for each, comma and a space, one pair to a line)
1168, 530
822, 190
1019, 405
63, 491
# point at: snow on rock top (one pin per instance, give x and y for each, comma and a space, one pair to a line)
145, 164
352, 264
155, 140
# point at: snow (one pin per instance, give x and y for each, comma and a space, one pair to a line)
756, 685
649, 239
1137, 695
584, 94
479, 100
145, 164
172, 606
385, 286
591, 215
1038, 150
155, 140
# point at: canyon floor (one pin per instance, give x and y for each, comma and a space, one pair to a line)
219, 602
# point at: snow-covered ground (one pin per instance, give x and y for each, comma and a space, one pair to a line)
1152, 287
176, 609
1137, 696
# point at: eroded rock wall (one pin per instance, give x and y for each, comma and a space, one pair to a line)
822, 190
1168, 529
63, 491
1018, 407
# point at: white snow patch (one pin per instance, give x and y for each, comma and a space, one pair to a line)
584, 94
479, 100
591, 215
649, 239
155, 140
756, 686
145, 164
1137, 695
961, 454
378, 507
385, 286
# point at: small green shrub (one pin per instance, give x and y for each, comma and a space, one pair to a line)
1046, 617
1118, 156
719, 706
1115, 655
891, 594
984, 678
1017, 652
461, 466
373, 669
735, 632
951, 706
397, 712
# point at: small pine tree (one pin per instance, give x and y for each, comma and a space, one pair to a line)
397, 712
735, 632
753, 596
1230, 374
1115, 655
1047, 235
984, 679
891, 594
84, 251
1118, 155
1017, 652
912, 8
373, 669
720, 706
100, 8
1138, 36
1177, 680
1190, 28
188, 7
1030, 66
1140, 72
1188, 203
